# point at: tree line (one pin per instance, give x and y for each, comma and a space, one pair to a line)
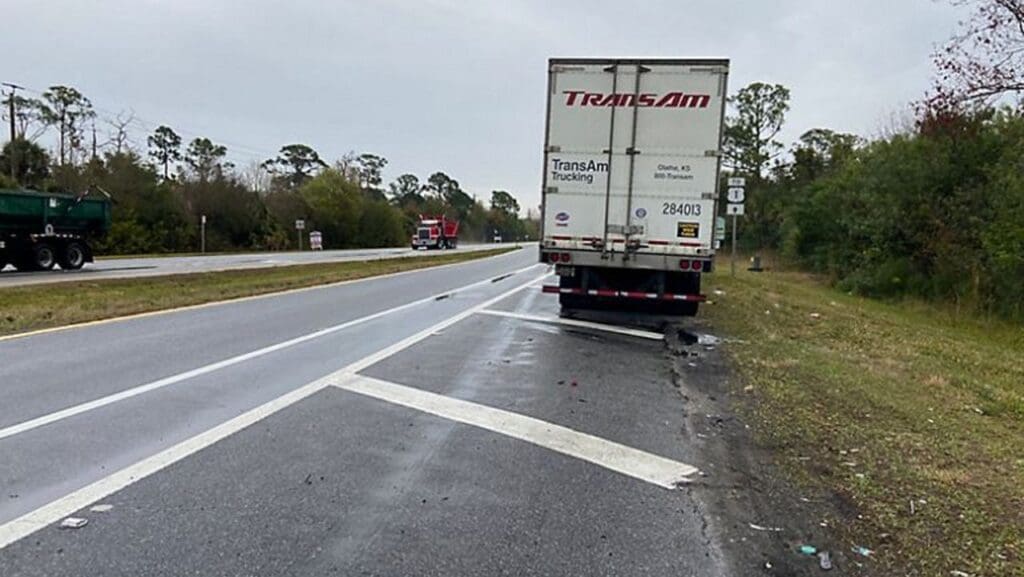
933, 209
162, 189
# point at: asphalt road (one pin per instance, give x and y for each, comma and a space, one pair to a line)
155, 266
439, 422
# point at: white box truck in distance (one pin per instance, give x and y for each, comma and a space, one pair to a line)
631, 162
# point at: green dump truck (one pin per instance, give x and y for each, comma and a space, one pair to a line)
40, 229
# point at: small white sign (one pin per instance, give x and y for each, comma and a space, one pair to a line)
202, 219
734, 209
300, 224
720, 228
736, 194
737, 181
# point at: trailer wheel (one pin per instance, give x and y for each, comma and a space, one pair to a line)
43, 257
72, 257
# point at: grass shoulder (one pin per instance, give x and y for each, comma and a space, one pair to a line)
912, 415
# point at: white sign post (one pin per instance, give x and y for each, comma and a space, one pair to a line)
300, 225
736, 196
202, 234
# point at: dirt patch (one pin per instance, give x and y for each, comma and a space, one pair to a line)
760, 520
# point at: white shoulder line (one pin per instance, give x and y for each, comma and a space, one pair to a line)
577, 323
71, 411
54, 511
608, 454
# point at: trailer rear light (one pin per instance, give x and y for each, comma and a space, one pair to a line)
566, 257
552, 257
684, 264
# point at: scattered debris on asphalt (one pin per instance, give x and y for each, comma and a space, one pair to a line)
704, 339
73, 523
757, 527
808, 549
103, 508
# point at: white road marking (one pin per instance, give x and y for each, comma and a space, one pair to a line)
608, 454
56, 510
173, 379
577, 323
234, 300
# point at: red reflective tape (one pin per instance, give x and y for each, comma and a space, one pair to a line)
658, 242
561, 238
689, 244
691, 298
550, 288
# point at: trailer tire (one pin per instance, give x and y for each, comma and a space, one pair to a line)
43, 256
72, 257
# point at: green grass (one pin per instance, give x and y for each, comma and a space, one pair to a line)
880, 404
58, 304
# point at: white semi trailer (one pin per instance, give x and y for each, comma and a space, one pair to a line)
632, 153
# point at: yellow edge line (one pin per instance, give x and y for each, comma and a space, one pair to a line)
237, 299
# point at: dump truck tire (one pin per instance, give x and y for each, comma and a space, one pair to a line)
43, 256
72, 257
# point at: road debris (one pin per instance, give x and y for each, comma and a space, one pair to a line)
703, 339
757, 527
103, 508
862, 551
719, 292
808, 549
824, 560
73, 523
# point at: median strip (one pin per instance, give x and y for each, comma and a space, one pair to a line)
34, 309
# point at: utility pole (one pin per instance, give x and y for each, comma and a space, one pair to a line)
14, 88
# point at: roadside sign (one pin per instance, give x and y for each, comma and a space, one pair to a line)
720, 228
300, 224
202, 219
736, 194
734, 209
737, 181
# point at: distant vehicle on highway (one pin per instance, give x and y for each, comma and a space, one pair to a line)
436, 232
40, 230
631, 157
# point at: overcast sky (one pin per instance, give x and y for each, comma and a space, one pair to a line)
451, 85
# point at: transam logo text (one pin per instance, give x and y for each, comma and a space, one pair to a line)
644, 100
